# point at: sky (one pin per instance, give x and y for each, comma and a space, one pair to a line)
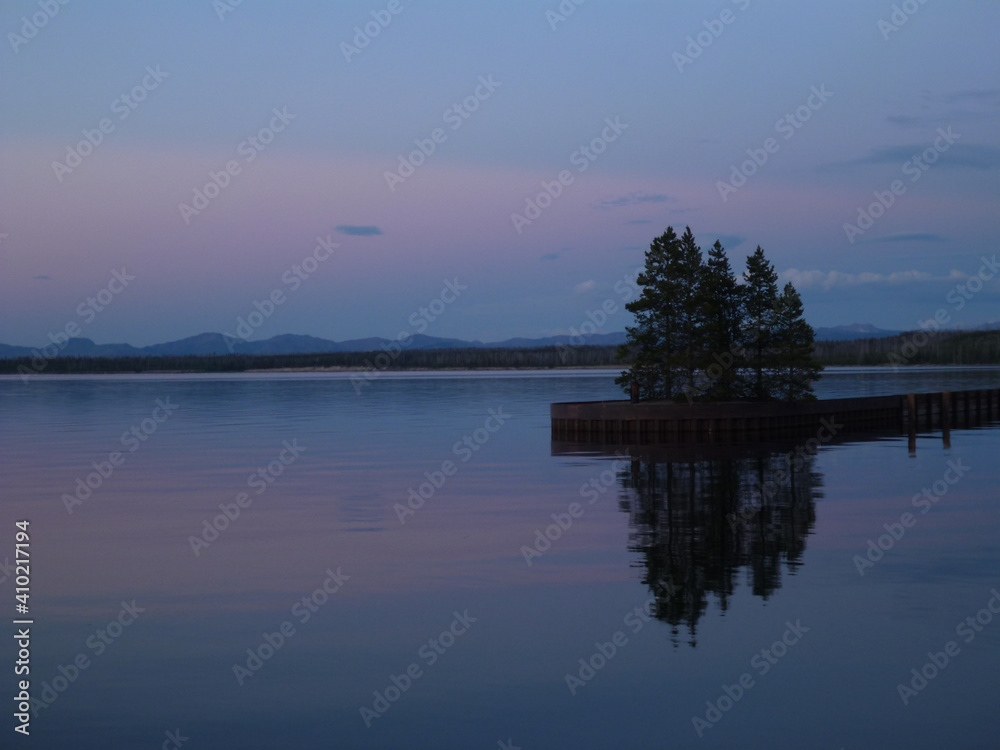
484, 170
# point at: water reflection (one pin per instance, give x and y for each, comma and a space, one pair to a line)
700, 521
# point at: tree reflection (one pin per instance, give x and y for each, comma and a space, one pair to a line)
698, 522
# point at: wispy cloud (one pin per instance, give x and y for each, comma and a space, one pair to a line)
960, 155
42, 278
358, 231
555, 254
912, 237
980, 96
584, 286
639, 221
634, 199
728, 241
950, 107
830, 279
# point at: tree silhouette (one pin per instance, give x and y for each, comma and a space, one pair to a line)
700, 335
794, 341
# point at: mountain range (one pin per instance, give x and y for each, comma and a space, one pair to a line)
216, 343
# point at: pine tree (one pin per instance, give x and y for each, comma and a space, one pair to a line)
700, 334
794, 341
687, 269
657, 344
760, 297
722, 302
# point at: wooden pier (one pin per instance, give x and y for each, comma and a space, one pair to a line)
665, 422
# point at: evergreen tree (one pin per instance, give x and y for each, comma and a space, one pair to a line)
700, 334
656, 344
722, 302
687, 269
760, 293
794, 341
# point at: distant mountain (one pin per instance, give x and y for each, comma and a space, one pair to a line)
853, 331
206, 344
995, 325
593, 339
8, 351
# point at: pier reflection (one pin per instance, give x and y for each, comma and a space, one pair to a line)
707, 517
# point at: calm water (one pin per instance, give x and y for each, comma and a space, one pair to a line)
726, 590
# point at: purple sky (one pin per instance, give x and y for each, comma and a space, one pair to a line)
865, 94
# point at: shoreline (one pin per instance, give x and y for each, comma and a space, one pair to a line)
897, 369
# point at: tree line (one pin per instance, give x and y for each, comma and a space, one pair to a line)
701, 334
915, 348
416, 359
944, 348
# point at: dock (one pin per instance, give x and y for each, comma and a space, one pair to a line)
665, 422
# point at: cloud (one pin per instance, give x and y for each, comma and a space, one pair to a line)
639, 221
829, 279
634, 199
358, 231
729, 240
584, 286
912, 237
555, 254
965, 155
951, 107
42, 278
985, 96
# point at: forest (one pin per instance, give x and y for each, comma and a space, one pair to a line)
915, 348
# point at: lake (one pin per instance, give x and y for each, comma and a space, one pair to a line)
292, 560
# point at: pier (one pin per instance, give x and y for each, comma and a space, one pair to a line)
666, 422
